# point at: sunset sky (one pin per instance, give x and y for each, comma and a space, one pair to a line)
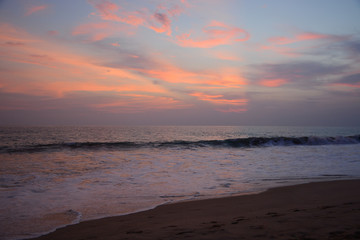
198, 62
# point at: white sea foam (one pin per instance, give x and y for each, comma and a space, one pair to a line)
42, 190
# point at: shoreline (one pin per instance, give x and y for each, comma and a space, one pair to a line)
320, 210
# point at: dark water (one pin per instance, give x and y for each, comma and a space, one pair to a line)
53, 176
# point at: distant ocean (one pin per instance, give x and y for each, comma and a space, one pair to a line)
55, 176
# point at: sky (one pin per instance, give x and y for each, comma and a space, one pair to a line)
180, 62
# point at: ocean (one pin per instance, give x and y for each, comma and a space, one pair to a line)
55, 176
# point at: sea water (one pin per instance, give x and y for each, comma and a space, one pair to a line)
55, 176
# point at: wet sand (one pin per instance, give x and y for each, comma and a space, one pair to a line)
325, 210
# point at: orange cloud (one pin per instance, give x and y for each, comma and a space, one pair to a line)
273, 82
59, 70
232, 110
300, 37
35, 9
11, 36
98, 31
227, 105
346, 85
219, 78
311, 36
214, 34
231, 77
159, 21
173, 75
218, 99
133, 103
110, 11
281, 50
52, 71
222, 55
352, 80
86, 28
186, 3
307, 36
52, 33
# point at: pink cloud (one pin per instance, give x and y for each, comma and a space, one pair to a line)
280, 50
300, 37
219, 99
89, 27
352, 80
60, 70
97, 31
135, 103
159, 20
228, 56
214, 34
174, 74
186, 3
347, 85
161, 23
72, 71
35, 9
112, 12
52, 33
276, 44
232, 110
227, 78
215, 79
224, 105
273, 82
173, 11
311, 36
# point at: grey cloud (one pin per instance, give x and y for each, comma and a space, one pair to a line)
353, 79
296, 72
354, 46
10, 43
352, 50
134, 59
162, 18
348, 48
129, 61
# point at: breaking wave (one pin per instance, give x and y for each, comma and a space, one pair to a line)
232, 143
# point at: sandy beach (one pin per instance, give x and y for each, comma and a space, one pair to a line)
323, 210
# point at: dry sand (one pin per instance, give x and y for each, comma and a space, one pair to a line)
326, 210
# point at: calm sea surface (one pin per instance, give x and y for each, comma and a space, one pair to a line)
54, 176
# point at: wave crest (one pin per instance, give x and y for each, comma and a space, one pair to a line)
234, 143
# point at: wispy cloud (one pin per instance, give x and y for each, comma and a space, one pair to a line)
352, 81
295, 73
135, 103
160, 23
57, 72
52, 33
113, 12
168, 72
286, 51
226, 55
350, 49
96, 31
289, 46
298, 38
227, 105
214, 34
159, 20
34, 9
273, 82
